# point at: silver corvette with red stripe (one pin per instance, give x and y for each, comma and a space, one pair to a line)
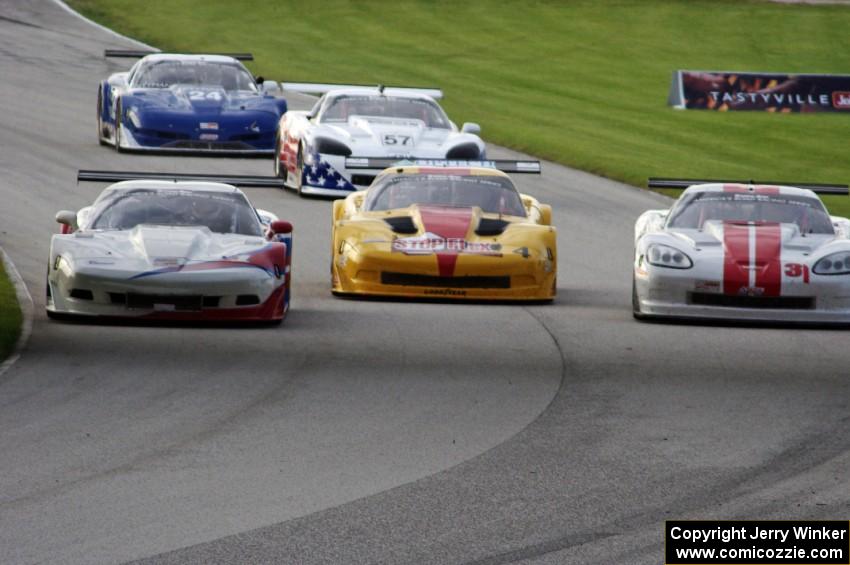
743, 252
170, 250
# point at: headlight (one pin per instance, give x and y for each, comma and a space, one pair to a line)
133, 116
666, 256
332, 147
464, 151
834, 264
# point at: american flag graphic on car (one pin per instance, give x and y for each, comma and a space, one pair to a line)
322, 175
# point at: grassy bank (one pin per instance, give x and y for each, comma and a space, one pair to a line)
10, 315
582, 82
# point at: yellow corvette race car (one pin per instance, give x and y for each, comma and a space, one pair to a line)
449, 232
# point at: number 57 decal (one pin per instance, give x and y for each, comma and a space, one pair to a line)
795, 270
393, 139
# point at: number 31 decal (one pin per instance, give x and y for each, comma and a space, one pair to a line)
797, 270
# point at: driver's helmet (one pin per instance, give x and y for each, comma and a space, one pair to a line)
370, 108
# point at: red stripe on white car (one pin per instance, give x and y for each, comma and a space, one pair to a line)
448, 223
759, 189
736, 257
752, 258
767, 258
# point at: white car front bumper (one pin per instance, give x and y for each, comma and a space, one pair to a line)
681, 293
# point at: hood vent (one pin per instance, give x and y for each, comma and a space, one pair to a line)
402, 224
489, 226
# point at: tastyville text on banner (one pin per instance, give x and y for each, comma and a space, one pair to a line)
769, 92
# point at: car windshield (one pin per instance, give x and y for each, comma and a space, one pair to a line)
163, 74
495, 195
340, 108
697, 208
218, 211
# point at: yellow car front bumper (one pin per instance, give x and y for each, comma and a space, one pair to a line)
514, 274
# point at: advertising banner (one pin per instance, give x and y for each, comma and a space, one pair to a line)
767, 92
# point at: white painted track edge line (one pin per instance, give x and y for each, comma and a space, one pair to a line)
72, 11
27, 307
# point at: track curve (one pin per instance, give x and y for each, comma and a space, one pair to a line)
381, 431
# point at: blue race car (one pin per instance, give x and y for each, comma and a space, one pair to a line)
189, 103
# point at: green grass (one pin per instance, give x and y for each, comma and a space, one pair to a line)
583, 82
10, 315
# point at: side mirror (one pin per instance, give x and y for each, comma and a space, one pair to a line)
259, 79
68, 219
470, 127
270, 87
266, 217
280, 227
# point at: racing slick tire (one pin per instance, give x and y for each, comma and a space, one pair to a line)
100, 117
277, 168
299, 170
52, 314
118, 121
636, 302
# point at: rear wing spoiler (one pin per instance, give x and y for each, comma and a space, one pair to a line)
819, 188
506, 166
234, 180
131, 54
323, 87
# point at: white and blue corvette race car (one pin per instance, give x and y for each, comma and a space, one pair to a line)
351, 124
188, 103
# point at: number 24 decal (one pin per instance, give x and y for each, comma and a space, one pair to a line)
797, 270
202, 95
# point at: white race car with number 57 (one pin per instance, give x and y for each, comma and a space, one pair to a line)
350, 124
743, 252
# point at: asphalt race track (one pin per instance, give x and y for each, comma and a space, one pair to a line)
381, 432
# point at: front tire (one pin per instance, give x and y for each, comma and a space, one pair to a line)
100, 139
277, 164
299, 170
118, 120
635, 301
